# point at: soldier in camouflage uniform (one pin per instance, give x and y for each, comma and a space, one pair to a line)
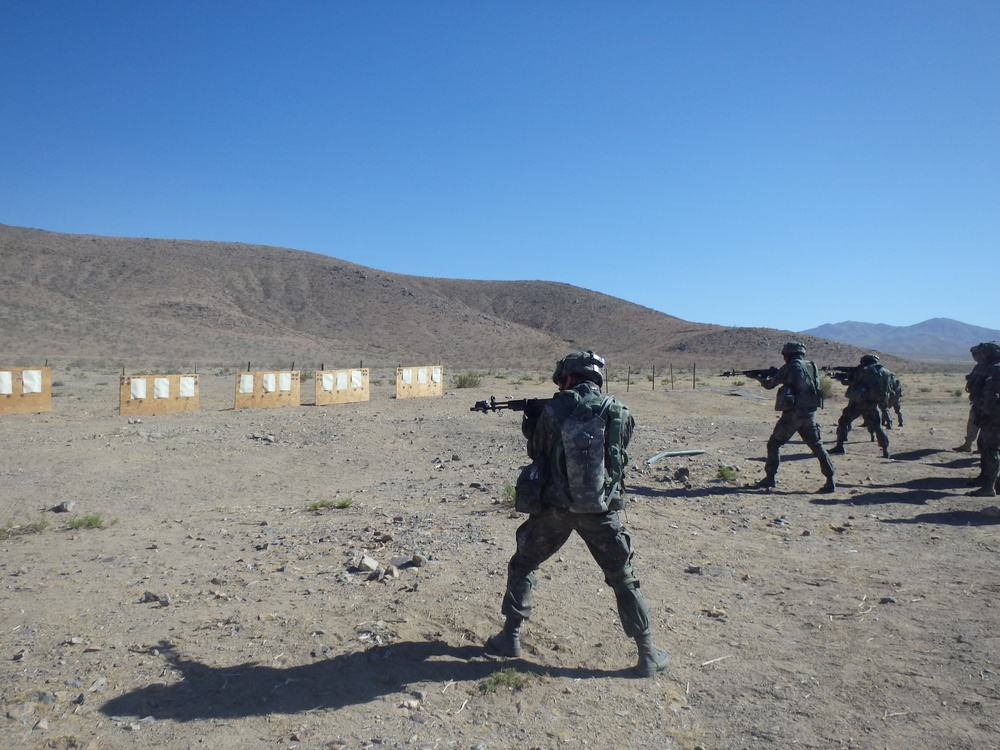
986, 403
972, 381
865, 394
797, 400
545, 532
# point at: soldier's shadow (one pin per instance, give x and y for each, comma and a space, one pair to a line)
250, 689
913, 492
951, 518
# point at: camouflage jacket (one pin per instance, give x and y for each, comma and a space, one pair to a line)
543, 433
799, 381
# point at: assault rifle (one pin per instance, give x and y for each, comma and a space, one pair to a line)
530, 406
758, 374
842, 374
755, 374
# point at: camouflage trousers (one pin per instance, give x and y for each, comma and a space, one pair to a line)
802, 422
868, 411
543, 534
989, 452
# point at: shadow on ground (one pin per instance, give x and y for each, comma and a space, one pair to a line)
208, 692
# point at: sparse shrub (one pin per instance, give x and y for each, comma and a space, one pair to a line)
826, 388
57, 384
924, 389
958, 393
334, 504
505, 679
727, 473
738, 383
467, 380
9, 530
508, 495
89, 521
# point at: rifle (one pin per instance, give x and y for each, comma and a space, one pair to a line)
842, 374
532, 407
759, 374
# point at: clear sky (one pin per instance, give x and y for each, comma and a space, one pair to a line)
779, 163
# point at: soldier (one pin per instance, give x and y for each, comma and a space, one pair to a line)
895, 396
564, 507
972, 381
867, 391
797, 400
986, 405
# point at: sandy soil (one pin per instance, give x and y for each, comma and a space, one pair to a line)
215, 609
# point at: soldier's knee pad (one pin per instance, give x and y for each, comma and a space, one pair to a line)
519, 572
622, 579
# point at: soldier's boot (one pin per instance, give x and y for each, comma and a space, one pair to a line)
987, 491
965, 447
651, 658
837, 450
885, 452
508, 641
829, 487
767, 482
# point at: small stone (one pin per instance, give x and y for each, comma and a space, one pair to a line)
65, 506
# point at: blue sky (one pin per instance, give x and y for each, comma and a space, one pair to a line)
770, 163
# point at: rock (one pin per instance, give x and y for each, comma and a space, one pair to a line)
65, 506
367, 564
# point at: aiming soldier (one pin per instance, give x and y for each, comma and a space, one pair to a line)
797, 400
577, 442
868, 390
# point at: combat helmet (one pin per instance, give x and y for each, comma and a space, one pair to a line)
793, 348
585, 364
990, 351
870, 359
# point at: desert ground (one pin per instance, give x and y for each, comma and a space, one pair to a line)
208, 587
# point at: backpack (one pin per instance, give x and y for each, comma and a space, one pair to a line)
589, 455
803, 392
986, 399
873, 384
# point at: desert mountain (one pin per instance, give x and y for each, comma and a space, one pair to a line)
936, 339
139, 303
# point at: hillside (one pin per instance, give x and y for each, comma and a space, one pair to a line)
180, 303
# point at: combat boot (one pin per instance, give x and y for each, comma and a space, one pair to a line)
987, 491
885, 452
965, 447
837, 450
767, 482
829, 487
508, 641
651, 658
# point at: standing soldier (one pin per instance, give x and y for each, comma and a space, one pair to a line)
972, 381
867, 391
797, 400
895, 396
986, 403
577, 442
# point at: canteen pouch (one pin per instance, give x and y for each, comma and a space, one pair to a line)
529, 487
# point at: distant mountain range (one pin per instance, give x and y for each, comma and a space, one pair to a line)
937, 339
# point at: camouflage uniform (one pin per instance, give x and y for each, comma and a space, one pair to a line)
864, 400
986, 405
545, 532
797, 400
973, 381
